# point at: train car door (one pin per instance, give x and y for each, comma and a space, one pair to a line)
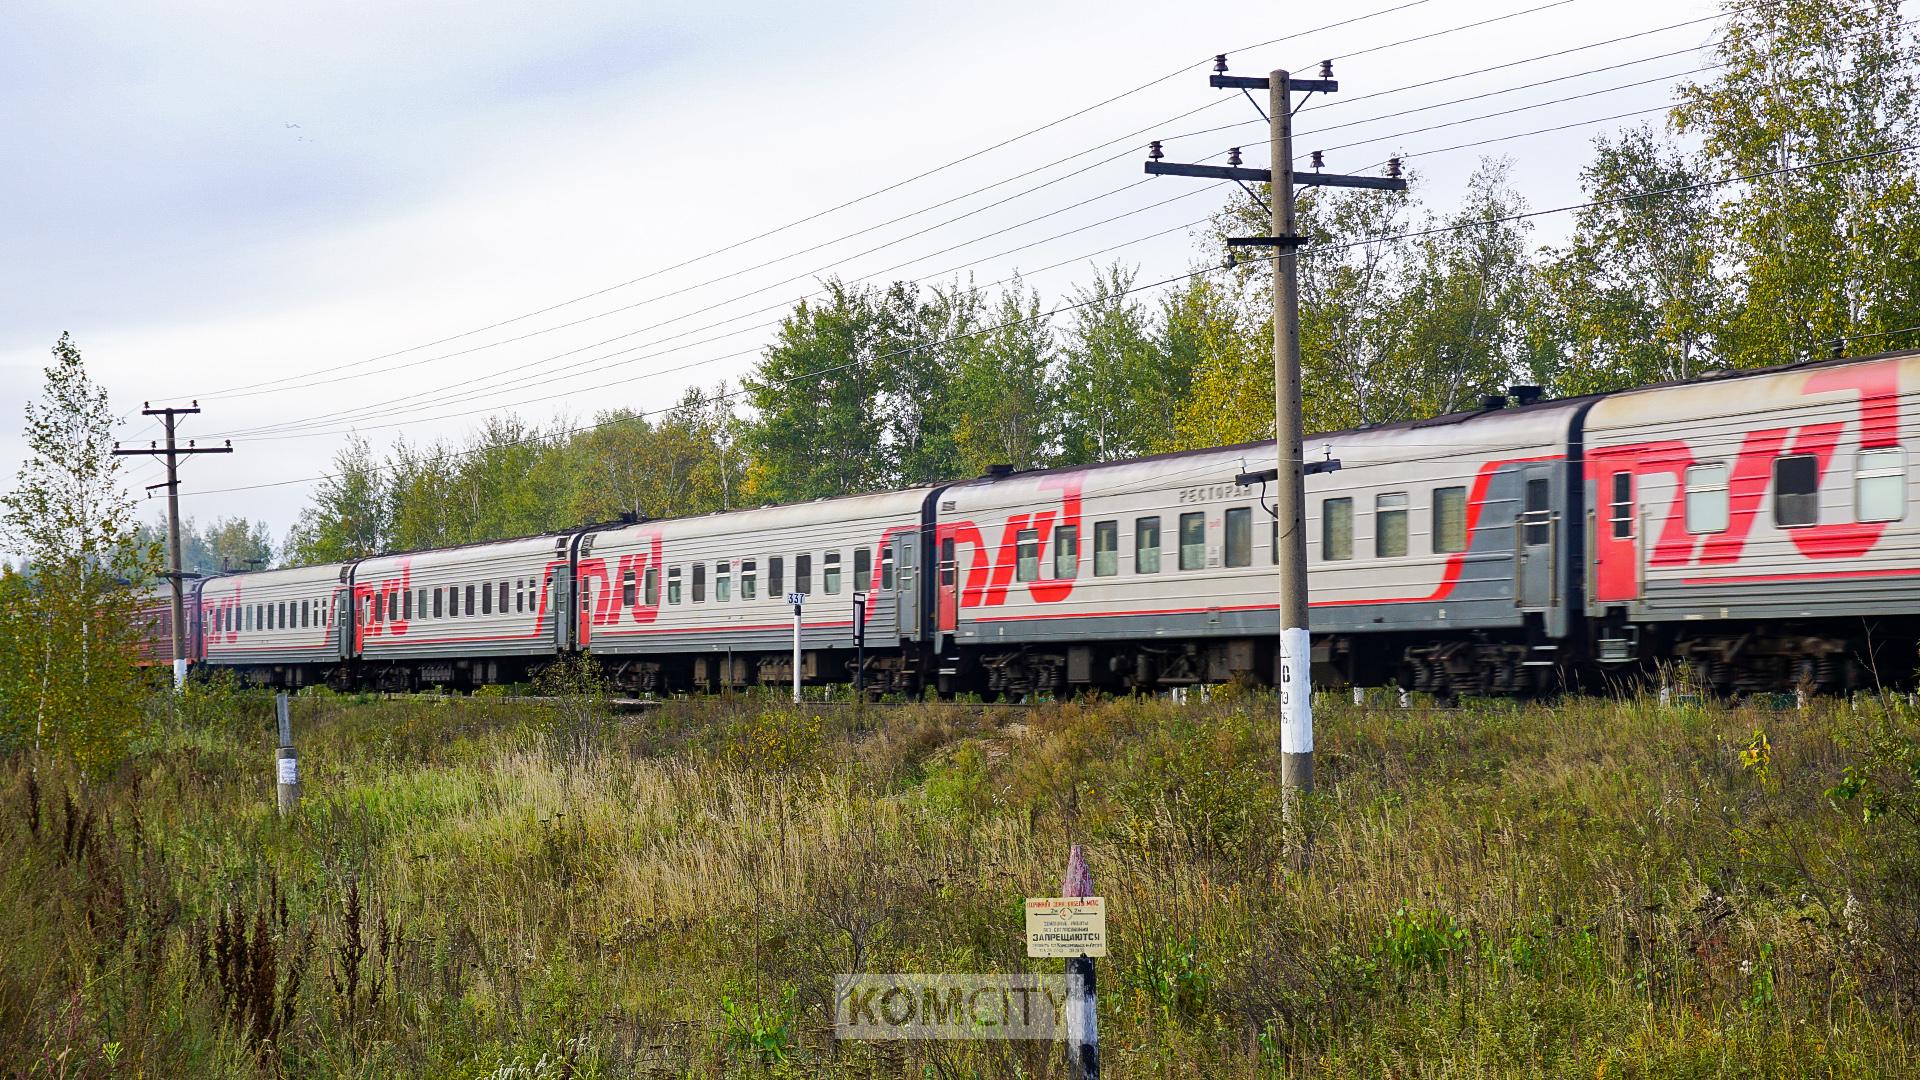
1535, 528
949, 587
584, 594
1616, 541
906, 583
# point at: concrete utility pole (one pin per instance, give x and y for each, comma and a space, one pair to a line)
172, 453
1296, 650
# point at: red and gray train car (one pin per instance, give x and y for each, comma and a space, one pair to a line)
1753, 527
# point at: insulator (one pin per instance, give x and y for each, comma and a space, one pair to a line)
1233, 155
1153, 151
1393, 167
1326, 69
1319, 160
1220, 63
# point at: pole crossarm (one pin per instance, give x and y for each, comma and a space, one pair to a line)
172, 452
1261, 82
1265, 176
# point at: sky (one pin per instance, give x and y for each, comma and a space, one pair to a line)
399, 219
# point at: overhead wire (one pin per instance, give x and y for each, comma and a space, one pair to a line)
768, 233
1161, 283
523, 377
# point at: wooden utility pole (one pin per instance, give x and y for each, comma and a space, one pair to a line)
1083, 1008
1296, 651
286, 760
172, 452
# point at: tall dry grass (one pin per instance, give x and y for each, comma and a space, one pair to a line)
1595, 888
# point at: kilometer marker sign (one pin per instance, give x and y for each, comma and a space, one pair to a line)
1066, 926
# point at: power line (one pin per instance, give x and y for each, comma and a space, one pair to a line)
1353, 20
522, 378
1173, 280
306, 430
472, 392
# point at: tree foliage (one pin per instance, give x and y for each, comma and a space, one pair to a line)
1406, 310
69, 680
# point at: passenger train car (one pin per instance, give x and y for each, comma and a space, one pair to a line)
1755, 527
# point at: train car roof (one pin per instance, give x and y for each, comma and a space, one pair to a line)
783, 515
288, 575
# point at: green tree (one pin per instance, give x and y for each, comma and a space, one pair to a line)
350, 516
1355, 276
1831, 253
1208, 328
1633, 297
1463, 304
920, 350
1005, 406
1113, 380
73, 684
815, 393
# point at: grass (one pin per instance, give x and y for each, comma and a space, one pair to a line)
497, 888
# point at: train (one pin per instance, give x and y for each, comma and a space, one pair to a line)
1749, 531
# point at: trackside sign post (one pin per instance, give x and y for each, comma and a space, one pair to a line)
799, 601
1063, 926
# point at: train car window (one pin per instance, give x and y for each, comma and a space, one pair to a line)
1449, 519
749, 587
1273, 547
1106, 548
1880, 485
629, 590
1796, 491
1539, 511
1239, 539
699, 583
439, 605
830, 572
803, 574
722, 582
776, 586
469, 608
407, 606
486, 599
503, 598
420, 608
1337, 529
393, 607
1027, 555
1146, 545
948, 571
280, 619
520, 595
673, 584
1390, 524
1066, 551
1620, 511
862, 569
1707, 499
886, 567
1193, 540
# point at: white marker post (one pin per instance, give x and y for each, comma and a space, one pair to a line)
798, 600
286, 760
